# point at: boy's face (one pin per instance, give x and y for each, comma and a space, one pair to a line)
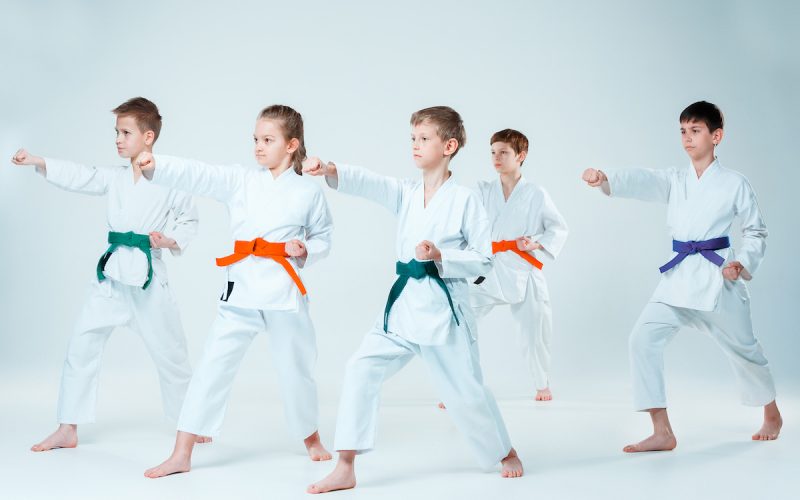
427, 147
504, 159
697, 140
130, 140
271, 147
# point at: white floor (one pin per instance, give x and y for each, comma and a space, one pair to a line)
571, 449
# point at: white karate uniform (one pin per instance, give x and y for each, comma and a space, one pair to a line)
529, 211
421, 321
259, 296
120, 300
694, 293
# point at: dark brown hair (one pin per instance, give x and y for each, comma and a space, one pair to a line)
702, 111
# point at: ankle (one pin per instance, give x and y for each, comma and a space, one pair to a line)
312, 439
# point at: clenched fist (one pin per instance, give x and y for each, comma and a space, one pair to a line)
593, 177
296, 248
526, 244
22, 157
145, 163
426, 250
315, 166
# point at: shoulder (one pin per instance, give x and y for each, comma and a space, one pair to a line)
734, 180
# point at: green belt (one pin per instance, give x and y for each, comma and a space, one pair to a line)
129, 239
417, 270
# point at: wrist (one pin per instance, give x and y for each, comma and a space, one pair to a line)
330, 169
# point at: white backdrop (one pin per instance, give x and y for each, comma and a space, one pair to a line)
591, 83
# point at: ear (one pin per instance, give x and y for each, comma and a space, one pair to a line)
716, 136
451, 146
522, 157
149, 138
292, 145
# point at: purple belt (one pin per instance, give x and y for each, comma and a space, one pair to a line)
704, 248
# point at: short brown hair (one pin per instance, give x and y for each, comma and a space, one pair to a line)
144, 112
513, 138
292, 125
449, 124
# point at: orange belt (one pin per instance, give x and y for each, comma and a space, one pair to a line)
509, 245
262, 248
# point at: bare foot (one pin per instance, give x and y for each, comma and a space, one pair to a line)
659, 441
512, 466
203, 439
772, 424
544, 394
343, 476
441, 406
66, 436
316, 451
173, 465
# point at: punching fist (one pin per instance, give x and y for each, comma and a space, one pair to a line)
426, 250
593, 177
525, 244
296, 248
22, 157
315, 166
146, 163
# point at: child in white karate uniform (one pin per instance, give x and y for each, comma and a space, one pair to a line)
524, 220
702, 286
442, 239
131, 287
281, 223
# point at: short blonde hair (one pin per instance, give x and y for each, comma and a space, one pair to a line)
449, 124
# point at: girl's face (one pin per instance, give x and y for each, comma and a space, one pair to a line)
272, 149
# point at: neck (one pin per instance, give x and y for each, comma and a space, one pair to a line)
283, 167
509, 180
433, 178
701, 164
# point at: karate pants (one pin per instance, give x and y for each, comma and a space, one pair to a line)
731, 328
153, 315
456, 372
294, 354
534, 320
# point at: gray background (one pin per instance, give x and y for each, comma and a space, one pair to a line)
591, 83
